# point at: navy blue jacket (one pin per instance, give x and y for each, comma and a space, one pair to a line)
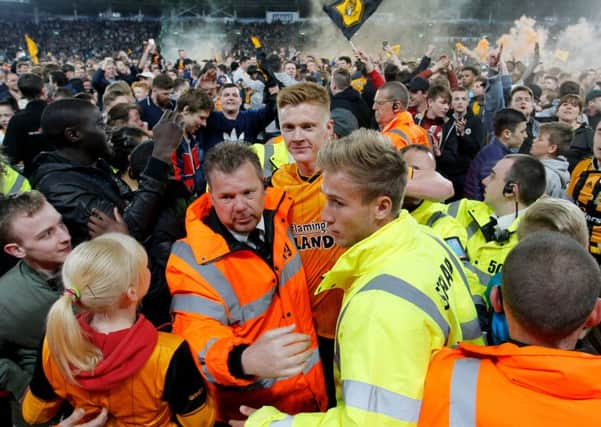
247, 126
481, 167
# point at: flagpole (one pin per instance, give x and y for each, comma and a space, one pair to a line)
353, 45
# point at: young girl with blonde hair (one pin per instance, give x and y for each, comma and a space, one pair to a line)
109, 356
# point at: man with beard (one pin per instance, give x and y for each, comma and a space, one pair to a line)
158, 101
76, 179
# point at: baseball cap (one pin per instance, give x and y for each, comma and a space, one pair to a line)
344, 121
595, 93
417, 84
147, 75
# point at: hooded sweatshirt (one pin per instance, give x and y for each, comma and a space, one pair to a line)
508, 385
558, 176
124, 353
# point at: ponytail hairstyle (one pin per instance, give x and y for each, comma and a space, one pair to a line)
96, 275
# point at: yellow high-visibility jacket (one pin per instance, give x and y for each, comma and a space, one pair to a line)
405, 298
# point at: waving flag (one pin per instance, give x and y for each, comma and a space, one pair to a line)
32, 48
349, 15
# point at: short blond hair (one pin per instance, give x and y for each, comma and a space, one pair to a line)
121, 87
371, 161
301, 93
550, 214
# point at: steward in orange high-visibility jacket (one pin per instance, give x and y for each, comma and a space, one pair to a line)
226, 296
509, 385
403, 131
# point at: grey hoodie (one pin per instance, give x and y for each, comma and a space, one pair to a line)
558, 177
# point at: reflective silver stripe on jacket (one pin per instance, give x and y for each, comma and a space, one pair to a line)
211, 274
483, 277
293, 265
462, 401
202, 357
371, 398
236, 313
469, 330
398, 287
16, 187
435, 217
286, 422
268, 167
454, 209
472, 228
199, 305
401, 134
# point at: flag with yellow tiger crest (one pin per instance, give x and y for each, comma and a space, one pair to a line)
350, 15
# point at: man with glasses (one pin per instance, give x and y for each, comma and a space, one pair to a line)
394, 121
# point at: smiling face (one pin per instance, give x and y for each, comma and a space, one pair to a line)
238, 197
306, 128
43, 239
568, 112
231, 100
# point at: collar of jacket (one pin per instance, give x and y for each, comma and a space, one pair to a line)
366, 256
210, 240
52, 282
543, 369
401, 119
498, 142
35, 104
481, 213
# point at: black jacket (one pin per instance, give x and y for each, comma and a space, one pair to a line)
351, 100
169, 227
458, 151
74, 190
23, 140
582, 146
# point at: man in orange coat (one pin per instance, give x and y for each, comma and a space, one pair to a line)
550, 296
239, 292
394, 121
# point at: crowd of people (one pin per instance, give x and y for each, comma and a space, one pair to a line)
275, 238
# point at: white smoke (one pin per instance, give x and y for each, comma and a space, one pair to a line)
389, 23
572, 49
